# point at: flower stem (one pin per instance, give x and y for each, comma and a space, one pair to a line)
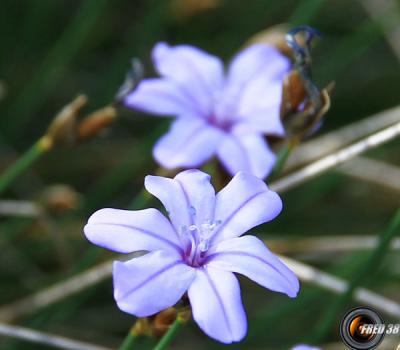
129, 341
27, 159
169, 336
366, 270
283, 156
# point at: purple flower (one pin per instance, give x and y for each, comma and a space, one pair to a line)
304, 347
197, 250
217, 114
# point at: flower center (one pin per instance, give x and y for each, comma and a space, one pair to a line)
196, 239
223, 113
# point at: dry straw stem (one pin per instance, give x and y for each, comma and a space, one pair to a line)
336, 158
46, 338
335, 284
98, 273
60, 291
373, 171
19, 208
321, 146
96, 122
323, 244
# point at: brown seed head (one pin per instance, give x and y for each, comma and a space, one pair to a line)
300, 113
62, 129
96, 122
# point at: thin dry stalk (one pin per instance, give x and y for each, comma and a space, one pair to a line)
337, 285
336, 158
19, 208
328, 143
46, 338
59, 291
373, 171
324, 244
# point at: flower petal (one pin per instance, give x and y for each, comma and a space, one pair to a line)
260, 95
256, 61
197, 71
267, 122
189, 143
242, 204
217, 306
189, 198
126, 231
304, 347
146, 285
259, 108
249, 256
199, 194
246, 152
162, 97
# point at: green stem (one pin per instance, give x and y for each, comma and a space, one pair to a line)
280, 162
366, 270
283, 156
129, 341
24, 162
169, 336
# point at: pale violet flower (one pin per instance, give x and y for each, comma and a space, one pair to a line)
304, 347
196, 250
217, 113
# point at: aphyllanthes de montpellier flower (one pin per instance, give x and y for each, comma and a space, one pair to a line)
196, 250
220, 114
304, 347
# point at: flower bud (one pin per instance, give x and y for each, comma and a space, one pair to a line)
303, 103
302, 113
95, 123
62, 129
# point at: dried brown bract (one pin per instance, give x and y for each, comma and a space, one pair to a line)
96, 122
67, 130
301, 115
62, 130
303, 103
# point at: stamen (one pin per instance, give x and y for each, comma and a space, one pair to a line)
198, 240
204, 245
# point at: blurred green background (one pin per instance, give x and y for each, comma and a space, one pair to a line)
53, 50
